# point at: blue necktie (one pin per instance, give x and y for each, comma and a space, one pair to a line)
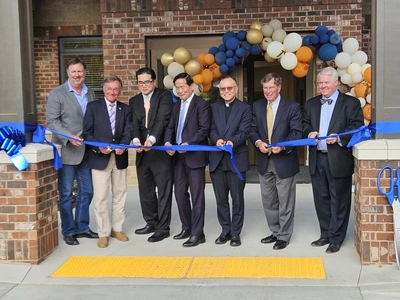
181, 121
112, 117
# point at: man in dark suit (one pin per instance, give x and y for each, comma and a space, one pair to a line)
189, 125
230, 125
151, 110
276, 119
109, 121
331, 162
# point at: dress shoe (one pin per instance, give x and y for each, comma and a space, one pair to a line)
269, 239
90, 235
157, 237
279, 245
235, 241
184, 234
194, 240
103, 242
320, 242
223, 238
332, 248
71, 240
145, 230
119, 235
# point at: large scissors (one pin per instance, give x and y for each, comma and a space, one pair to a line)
393, 196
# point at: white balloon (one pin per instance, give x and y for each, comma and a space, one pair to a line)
174, 91
360, 57
350, 46
364, 67
175, 69
289, 61
279, 35
356, 77
368, 98
345, 78
275, 49
275, 24
343, 60
341, 71
362, 101
268, 58
352, 92
292, 42
267, 30
198, 89
265, 42
168, 82
353, 68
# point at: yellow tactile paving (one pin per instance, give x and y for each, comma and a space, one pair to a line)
191, 267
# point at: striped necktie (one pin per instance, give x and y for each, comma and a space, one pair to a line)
111, 113
147, 108
270, 116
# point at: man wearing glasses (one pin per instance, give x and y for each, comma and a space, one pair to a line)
276, 119
151, 112
230, 125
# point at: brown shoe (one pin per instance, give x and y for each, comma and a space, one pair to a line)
119, 235
103, 242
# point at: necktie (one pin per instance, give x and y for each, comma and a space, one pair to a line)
111, 113
181, 121
270, 115
147, 108
326, 100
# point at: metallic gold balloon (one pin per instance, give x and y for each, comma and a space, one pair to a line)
256, 25
193, 67
182, 55
254, 36
167, 58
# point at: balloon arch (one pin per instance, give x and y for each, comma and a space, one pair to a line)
293, 52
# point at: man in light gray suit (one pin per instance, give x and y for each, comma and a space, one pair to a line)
66, 107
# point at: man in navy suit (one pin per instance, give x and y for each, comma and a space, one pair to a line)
189, 125
276, 119
331, 162
109, 121
230, 125
151, 110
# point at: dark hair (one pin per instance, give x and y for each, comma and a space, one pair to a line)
76, 61
146, 70
112, 78
277, 79
228, 77
189, 79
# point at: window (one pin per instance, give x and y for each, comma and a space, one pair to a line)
90, 50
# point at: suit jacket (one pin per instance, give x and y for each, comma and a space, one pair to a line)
159, 114
287, 127
64, 114
96, 127
195, 130
236, 129
347, 115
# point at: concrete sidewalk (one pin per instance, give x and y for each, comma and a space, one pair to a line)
346, 278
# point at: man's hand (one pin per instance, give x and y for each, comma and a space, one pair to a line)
183, 144
138, 150
220, 142
119, 151
277, 150
147, 143
170, 152
105, 150
74, 142
262, 146
332, 140
313, 135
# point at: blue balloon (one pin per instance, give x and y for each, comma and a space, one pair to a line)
230, 62
240, 52
254, 50
237, 59
327, 52
229, 53
334, 39
339, 47
222, 48
307, 40
246, 46
241, 35
232, 43
223, 68
220, 58
231, 68
324, 38
227, 35
213, 50
321, 29
330, 32
314, 39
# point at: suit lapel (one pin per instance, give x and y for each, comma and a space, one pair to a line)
232, 115
263, 113
279, 113
336, 111
71, 96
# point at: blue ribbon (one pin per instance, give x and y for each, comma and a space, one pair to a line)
11, 141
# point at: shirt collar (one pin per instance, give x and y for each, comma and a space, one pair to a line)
84, 88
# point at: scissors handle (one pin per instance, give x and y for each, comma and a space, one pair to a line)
390, 194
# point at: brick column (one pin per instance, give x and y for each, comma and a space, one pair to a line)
28, 207
373, 219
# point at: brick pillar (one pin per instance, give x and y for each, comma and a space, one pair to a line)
28, 207
373, 219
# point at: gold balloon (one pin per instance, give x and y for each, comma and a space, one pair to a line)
256, 25
182, 55
166, 59
193, 67
254, 36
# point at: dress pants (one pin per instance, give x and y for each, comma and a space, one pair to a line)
102, 179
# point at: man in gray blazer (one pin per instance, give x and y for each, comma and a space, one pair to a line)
66, 107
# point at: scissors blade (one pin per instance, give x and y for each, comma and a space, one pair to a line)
396, 225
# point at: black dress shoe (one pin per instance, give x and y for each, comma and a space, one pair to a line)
157, 237
332, 248
235, 241
223, 238
71, 240
184, 234
279, 245
194, 240
269, 239
145, 230
320, 242
90, 235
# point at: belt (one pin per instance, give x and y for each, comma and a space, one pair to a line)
322, 151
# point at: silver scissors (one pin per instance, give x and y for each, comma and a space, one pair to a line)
393, 196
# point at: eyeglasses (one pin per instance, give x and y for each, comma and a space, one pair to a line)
227, 89
147, 82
